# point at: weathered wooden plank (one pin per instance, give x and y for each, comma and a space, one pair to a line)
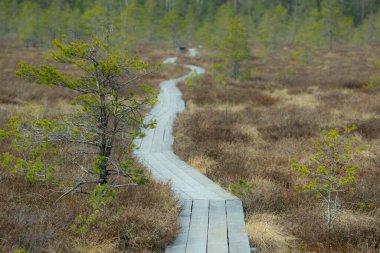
237, 237
217, 228
197, 241
171, 60
193, 187
156, 172
179, 245
146, 142
208, 225
168, 139
202, 179
163, 175
158, 138
165, 105
174, 178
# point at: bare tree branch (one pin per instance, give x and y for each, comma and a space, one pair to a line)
76, 187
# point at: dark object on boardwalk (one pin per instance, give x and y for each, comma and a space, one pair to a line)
181, 50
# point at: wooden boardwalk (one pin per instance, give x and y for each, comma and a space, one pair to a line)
212, 219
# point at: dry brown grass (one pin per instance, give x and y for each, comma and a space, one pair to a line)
266, 195
250, 129
206, 93
97, 248
201, 163
352, 230
141, 219
269, 236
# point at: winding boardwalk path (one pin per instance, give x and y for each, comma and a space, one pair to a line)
212, 219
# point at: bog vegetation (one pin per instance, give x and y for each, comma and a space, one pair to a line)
68, 180
299, 144
287, 117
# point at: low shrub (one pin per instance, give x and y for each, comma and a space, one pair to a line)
370, 128
142, 219
265, 195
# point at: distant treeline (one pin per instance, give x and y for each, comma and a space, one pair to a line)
307, 24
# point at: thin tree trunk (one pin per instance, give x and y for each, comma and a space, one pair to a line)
362, 11
213, 69
330, 41
235, 5
236, 70
169, 4
199, 7
104, 151
295, 26
329, 213
330, 27
249, 6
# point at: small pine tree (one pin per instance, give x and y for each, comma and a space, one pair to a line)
272, 29
368, 31
307, 40
330, 171
334, 21
172, 26
106, 109
29, 25
234, 47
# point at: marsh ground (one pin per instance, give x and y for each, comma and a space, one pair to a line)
141, 219
249, 129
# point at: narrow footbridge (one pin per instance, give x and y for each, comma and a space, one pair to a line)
212, 219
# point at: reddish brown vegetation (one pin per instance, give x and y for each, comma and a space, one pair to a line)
141, 219
250, 129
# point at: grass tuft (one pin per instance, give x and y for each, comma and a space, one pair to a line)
268, 235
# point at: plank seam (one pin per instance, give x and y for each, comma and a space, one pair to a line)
228, 237
191, 216
208, 224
